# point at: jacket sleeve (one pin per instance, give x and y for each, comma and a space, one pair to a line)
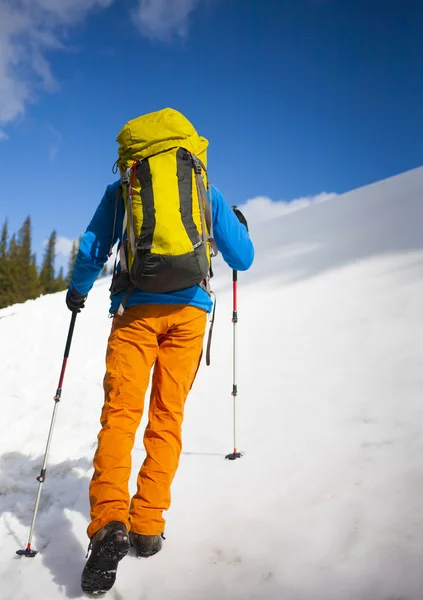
96, 242
231, 237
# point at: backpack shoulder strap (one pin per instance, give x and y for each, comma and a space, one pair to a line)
117, 198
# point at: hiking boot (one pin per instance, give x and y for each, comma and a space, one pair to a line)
108, 546
146, 545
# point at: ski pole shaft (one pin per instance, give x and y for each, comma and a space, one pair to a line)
42, 476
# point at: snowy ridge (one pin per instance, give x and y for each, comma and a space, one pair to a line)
327, 503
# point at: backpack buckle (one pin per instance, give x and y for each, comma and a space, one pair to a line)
196, 164
126, 176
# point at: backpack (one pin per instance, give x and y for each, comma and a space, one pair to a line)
167, 238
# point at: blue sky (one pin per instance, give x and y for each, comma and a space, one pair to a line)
295, 96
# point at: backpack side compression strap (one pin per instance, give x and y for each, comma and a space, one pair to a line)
205, 208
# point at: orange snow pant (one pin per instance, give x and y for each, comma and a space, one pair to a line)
171, 339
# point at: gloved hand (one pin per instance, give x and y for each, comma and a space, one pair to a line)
240, 216
75, 301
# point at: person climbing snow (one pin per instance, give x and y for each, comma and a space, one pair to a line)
168, 222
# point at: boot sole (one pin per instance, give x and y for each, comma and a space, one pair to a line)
99, 578
146, 555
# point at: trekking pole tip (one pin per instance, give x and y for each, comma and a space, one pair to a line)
28, 553
233, 455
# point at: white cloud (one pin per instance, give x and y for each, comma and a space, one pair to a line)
162, 19
28, 28
62, 252
262, 208
31, 28
64, 246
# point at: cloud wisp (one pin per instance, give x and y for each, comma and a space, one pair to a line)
164, 19
30, 29
262, 208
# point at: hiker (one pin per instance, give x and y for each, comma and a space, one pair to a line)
168, 222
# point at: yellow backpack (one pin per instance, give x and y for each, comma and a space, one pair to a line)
167, 238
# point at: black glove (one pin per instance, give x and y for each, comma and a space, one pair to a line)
75, 301
240, 216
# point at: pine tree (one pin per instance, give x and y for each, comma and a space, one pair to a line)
72, 260
27, 285
47, 279
13, 259
60, 282
4, 268
3, 241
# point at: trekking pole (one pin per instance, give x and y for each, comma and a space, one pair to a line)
28, 552
234, 455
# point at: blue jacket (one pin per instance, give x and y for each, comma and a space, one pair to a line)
231, 237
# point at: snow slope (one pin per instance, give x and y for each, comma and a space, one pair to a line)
326, 503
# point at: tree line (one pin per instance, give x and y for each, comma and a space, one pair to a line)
20, 278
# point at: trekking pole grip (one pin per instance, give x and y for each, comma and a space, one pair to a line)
235, 296
240, 216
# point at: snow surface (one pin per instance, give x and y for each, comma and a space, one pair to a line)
327, 502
